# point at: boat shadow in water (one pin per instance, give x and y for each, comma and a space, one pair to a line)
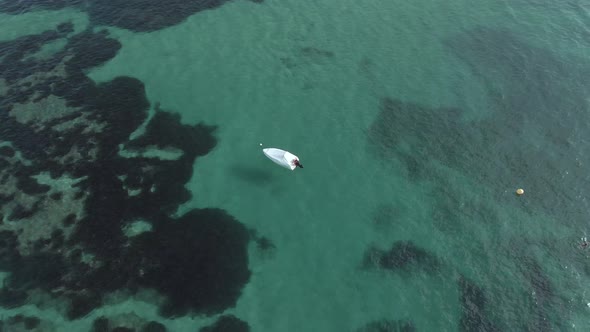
252, 174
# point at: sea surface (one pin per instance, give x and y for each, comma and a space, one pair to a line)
134, 194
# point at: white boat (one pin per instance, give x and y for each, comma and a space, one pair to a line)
283, 158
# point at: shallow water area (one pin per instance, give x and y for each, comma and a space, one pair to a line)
415, 122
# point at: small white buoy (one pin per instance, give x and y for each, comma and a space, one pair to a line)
519, 191
260, 144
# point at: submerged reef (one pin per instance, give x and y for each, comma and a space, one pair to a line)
227, 323
548, 310
403, 256
134, 15
68, 193
400, 130
24, 323
126, 323
473, 303
532, 134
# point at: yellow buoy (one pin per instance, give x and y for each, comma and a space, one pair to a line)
519, 191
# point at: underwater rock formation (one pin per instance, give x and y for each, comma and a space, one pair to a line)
401, 129
125, 323
402, 256
547, 308
68, 194
100, 324
134, 15
533, 132
23, 323
227, 323
153, 327
522, 139
473, 303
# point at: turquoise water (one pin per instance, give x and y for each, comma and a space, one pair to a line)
311, 77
